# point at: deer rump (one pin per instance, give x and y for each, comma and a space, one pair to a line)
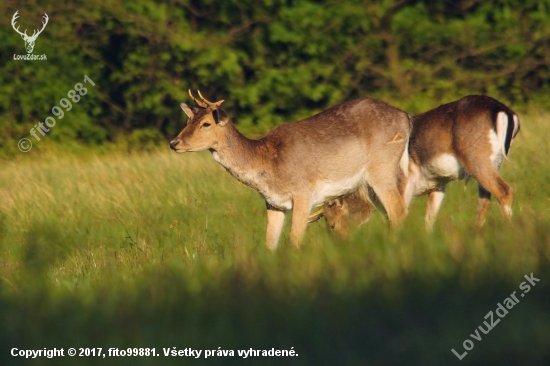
459, 140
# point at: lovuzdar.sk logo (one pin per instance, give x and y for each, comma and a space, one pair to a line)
29, 40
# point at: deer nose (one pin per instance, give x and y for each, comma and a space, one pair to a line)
173, 144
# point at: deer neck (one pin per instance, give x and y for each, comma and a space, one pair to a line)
243, 158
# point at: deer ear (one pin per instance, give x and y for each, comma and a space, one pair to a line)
188, 111
220, 117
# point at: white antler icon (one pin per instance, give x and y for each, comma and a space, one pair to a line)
29, 40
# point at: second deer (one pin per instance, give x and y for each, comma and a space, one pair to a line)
467, 138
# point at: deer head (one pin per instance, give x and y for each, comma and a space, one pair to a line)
204, 127
336, 213
29, 40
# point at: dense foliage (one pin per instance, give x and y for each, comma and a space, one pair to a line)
272, 61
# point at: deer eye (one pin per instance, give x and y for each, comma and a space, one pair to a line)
332, 226
206, 125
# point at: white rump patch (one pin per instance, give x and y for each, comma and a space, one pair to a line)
501, 127
497, 149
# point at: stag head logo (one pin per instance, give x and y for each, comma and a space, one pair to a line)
29, 40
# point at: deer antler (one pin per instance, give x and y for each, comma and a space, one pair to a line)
217, 104
24, 34
15, 16
43, 26
316, 216
200, 104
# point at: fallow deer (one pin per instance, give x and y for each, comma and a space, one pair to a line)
357, 145
467, 138
344, 212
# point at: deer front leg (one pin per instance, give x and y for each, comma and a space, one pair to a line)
300, 214
432, 208
275, 222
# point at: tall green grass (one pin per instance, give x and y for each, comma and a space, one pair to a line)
166, 250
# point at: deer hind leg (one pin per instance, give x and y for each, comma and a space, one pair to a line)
275, 222
491, 183
300, 214
387, 193
393, 203
435, 198
483, 204
484, 200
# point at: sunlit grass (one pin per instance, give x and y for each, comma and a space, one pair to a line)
172, 245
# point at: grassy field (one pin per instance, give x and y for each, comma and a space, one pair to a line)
165, 250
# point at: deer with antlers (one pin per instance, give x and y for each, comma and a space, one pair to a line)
29, 40
342, 213
354, 146
467, 138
